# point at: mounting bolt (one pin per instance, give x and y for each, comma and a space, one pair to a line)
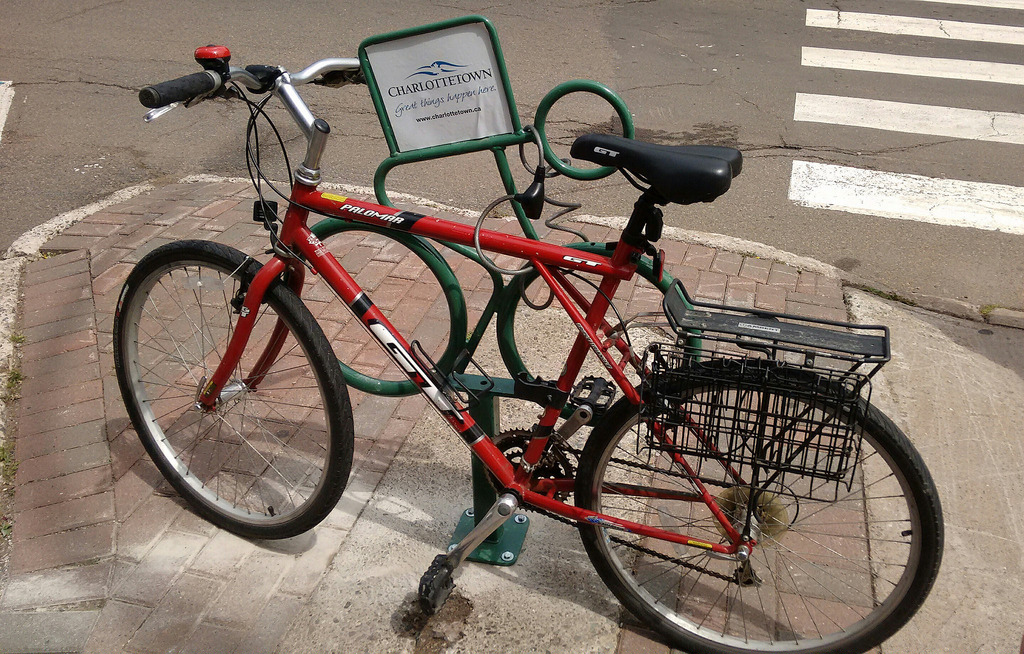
520, 518
452, 546
469, 513
507, 556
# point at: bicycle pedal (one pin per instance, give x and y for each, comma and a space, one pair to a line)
596, 392
436, 585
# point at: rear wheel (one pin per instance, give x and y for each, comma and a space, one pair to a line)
825, 576
273, 458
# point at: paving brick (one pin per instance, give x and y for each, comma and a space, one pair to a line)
246, 594
54, 329
63, 417
63, 396
815, 311
174, 213
142, 237
68, 244
45, 632
216, 208
65, 548
60, 489
176, 616
191, 523
69, 379
637, 640
222, 554
46, 270
66, 342
740, 292
821, 300
37, 590
727, 263
62, 463
710, 286
144, 248
72, 514
807, 282
209, 638
143, 529
699, 257
783, 275
59, 362
53, 313
126, 450
770, 298
167, 560
33, 445
35, 301
91, 229
117, 622
112, 278
756, 269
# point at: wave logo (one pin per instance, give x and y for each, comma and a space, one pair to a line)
435, 69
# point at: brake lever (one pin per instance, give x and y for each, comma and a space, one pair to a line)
153, 114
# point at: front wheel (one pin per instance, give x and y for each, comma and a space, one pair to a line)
826, 576
273, 458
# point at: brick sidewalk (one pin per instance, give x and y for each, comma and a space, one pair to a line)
104, 557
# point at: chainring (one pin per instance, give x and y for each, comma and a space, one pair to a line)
555, 464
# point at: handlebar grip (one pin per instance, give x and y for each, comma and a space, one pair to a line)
177, 90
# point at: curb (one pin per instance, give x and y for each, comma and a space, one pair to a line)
26, 248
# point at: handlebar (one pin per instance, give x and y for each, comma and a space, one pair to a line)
335, 71
178, 90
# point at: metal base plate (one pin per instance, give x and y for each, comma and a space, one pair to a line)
503, 550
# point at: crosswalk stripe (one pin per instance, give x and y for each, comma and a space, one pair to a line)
912, 26
999, 126
990, 4
908, 197
6, 97
878, 62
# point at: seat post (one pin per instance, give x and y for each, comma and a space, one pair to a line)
645, 222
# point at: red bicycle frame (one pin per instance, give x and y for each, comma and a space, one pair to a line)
548, 259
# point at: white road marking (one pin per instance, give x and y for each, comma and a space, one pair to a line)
878, 62
912, 26
999, 126
6, 97
980, 205
992, 4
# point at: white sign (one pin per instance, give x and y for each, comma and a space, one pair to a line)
441, 87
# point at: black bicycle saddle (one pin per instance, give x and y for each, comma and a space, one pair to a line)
683, 174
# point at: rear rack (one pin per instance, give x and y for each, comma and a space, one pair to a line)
775, 399
783, 336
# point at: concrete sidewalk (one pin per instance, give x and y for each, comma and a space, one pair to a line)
105, 559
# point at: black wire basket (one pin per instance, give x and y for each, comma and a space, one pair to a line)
773, 399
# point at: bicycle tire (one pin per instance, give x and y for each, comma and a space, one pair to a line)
814, 596
270, 462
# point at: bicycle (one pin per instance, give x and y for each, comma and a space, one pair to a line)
742, 495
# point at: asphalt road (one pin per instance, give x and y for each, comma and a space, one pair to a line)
723, 71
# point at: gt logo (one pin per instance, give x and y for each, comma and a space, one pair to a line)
610, 153
592, 264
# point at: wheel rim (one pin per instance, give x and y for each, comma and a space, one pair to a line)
832, 575
260, 457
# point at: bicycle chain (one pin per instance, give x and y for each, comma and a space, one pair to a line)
621, 541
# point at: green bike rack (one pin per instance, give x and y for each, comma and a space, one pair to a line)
504, 545
459, 60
